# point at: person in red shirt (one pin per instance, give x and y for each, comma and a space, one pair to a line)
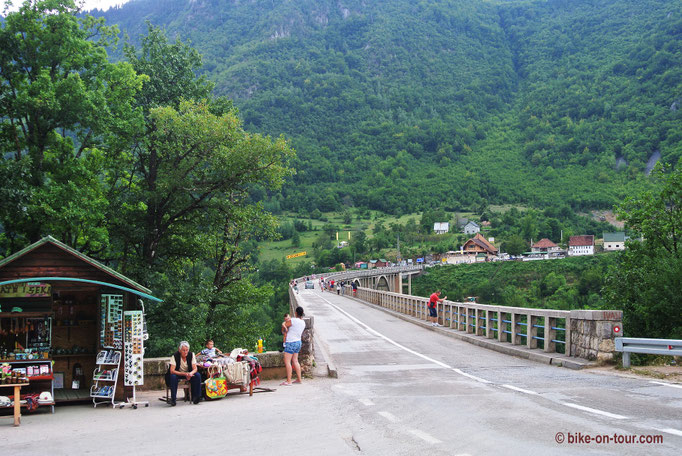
433, 307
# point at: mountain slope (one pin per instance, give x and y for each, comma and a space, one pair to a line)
400, 105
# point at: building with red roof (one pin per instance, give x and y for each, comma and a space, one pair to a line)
581, 245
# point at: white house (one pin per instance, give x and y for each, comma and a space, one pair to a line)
441, 227
614, 241
581, 245
471, 228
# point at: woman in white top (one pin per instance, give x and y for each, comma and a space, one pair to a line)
292, 347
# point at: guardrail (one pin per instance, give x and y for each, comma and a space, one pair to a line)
517, 325
627, 345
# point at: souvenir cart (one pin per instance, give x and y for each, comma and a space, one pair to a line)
61, 321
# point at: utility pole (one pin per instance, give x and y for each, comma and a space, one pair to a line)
398, 257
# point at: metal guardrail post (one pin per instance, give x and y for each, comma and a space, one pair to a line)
626, 359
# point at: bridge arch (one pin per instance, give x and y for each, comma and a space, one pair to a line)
382, 284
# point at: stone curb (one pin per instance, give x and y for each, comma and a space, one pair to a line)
554, 359
332, 371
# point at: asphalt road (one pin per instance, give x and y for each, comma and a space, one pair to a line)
408, 389
402, 390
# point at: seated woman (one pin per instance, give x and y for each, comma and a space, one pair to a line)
183, 364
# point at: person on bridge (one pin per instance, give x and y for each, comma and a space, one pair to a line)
355, 288
434, 300
292, 346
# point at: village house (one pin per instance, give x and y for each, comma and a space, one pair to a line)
545, 246
614, 241
441, 227
471, 228
581, 245
480, 245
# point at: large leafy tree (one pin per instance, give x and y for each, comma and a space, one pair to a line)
62, 104
184, 216
647, 280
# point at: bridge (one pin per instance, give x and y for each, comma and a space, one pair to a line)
405, 387
383, 279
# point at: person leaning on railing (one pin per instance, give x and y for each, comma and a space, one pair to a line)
183, 365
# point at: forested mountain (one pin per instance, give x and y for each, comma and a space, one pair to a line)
401, 105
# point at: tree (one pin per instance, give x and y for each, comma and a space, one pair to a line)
296, 239
515, 245
62, 109
646, 280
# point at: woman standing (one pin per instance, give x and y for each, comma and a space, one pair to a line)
292, 347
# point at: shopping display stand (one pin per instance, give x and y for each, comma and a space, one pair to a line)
105, 380
134, 335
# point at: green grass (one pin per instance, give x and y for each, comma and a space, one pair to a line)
361, 221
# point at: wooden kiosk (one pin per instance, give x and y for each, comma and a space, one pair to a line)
63, 315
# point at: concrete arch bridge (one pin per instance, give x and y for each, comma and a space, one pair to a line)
396, 279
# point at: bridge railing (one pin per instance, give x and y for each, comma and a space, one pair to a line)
371, 272
586, 334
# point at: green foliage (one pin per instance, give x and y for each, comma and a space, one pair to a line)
62, 104
555, 284
647, 279
155, 178
530, 102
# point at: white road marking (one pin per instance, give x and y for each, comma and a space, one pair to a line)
672, 385
473, 377
595, 411
365, 401
389, 416
670, 431
424, 436
520, 390
378, 334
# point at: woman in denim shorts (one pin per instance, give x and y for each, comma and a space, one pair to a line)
292, 347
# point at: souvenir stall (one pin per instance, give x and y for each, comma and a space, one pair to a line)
63, 320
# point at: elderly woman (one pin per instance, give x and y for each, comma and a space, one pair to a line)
183, 365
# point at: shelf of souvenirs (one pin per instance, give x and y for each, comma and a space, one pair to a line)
22, 400
36, 378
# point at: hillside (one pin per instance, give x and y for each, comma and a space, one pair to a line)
400, 106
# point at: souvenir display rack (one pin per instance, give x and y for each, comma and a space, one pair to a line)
105, 377
133, 343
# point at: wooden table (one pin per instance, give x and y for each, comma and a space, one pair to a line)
17, 400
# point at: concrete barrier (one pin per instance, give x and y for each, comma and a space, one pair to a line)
155, 370
586, 334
